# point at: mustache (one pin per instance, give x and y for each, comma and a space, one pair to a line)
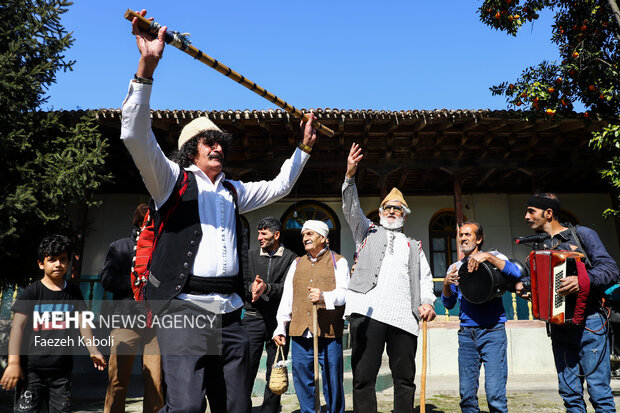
216, 155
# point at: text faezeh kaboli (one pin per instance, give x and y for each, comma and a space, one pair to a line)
71, 342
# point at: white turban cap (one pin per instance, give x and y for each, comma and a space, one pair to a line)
195, 127
319, 227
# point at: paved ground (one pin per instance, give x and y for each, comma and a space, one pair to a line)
525, 394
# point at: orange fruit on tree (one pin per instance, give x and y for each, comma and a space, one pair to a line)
551, 90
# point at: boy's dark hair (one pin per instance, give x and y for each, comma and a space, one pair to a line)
273, 224
53, 245
479, 232
138, 215
185, 156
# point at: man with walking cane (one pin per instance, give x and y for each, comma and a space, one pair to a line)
316, 282
390, 291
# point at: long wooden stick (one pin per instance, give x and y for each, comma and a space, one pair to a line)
423, 379
315, 344
181, 42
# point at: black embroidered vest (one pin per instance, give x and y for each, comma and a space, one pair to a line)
173, 258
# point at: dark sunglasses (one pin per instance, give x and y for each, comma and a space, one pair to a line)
394, 207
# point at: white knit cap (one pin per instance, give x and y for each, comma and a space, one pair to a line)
195, 127
319, 227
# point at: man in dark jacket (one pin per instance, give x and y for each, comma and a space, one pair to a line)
581, 351
268, 267
116, 278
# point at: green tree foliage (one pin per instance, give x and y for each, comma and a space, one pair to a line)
51, 163
587, 33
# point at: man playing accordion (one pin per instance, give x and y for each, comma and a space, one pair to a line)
581, 351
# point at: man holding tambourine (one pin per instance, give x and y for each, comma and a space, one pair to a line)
482, 335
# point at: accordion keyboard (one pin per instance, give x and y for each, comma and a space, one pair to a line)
558, 300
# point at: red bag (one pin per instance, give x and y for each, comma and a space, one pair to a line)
147, 241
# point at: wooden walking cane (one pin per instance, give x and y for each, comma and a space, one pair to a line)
423, 378
315, 343
181, 42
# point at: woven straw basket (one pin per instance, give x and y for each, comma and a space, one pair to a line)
278, 382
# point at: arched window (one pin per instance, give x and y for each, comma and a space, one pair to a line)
442, 236
293, 220
374, 216
567, 217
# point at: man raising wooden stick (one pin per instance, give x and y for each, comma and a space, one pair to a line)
201, 255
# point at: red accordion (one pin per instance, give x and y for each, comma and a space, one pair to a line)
547, 269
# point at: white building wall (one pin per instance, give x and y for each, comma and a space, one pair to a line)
109, 222
500, 214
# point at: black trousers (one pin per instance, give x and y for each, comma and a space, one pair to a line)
43, 388
368, 339
260, 334
222, 378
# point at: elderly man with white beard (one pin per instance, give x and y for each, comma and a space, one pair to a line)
390, 290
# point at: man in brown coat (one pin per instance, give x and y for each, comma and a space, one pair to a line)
318, 278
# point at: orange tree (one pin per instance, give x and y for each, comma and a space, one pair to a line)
587, 33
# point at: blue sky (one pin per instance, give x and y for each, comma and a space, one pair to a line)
381, 55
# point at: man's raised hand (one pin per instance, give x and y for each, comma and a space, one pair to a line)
309, 137
151, 48
355, 156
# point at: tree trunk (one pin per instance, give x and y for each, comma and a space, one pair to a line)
616, 11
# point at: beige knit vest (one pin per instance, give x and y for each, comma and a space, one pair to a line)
320, 274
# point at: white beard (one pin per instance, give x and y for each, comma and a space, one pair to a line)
396, 224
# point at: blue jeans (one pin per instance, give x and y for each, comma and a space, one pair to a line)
330, 359
479, 345
581, 354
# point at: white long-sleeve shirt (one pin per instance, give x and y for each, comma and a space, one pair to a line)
217, 251
390, 300
333, 298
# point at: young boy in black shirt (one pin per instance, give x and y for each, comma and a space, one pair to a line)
45, 371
